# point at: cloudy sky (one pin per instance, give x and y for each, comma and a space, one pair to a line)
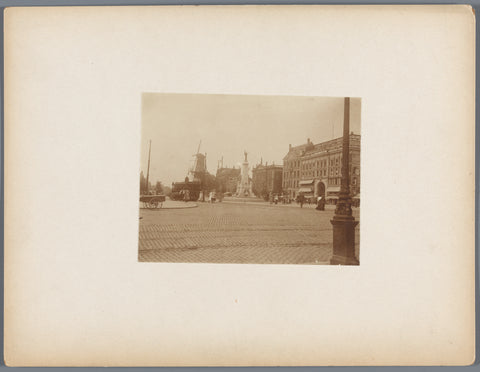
227, 125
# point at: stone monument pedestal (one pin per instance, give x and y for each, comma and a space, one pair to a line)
244, 187
344, 241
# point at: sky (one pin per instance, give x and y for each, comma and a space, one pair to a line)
228, 125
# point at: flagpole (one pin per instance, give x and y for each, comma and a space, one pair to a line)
148, 167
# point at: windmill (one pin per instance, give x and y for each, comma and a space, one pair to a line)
199, 167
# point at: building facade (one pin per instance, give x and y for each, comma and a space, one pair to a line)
267, 179
316, 169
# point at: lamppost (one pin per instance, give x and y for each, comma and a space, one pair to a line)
343, 222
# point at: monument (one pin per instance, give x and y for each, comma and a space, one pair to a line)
244, 187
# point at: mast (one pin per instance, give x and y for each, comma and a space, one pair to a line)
148, 167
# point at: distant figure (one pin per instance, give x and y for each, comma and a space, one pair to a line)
320, 204
275, 199
186, 195
301, 200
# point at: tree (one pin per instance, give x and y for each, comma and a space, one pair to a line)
209, 182
159, 187
167, 190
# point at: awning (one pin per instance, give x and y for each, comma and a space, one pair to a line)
306, 190
305, 182
333, 189
331, 197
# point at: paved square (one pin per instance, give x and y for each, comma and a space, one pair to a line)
236, 232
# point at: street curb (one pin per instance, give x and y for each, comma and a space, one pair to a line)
163, 208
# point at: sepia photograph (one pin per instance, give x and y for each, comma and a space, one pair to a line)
250, 179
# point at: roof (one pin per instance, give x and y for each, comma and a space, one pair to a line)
296, 151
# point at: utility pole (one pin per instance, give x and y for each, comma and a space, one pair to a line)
204, 172
148, 167
343, 222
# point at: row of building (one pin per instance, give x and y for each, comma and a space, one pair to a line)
311, 169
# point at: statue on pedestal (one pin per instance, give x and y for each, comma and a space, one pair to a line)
244, 187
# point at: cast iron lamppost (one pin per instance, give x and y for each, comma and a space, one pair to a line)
343, 222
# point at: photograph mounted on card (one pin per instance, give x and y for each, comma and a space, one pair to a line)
239, 185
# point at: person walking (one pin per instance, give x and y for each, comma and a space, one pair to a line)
320, 204
301, 200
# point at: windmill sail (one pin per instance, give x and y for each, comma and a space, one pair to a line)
199, 166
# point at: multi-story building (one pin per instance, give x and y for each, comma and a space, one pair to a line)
227, 179
267, 179
316, 169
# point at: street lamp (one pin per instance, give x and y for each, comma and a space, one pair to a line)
343, 222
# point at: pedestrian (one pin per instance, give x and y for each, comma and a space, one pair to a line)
301, 200
320, 204
276, 199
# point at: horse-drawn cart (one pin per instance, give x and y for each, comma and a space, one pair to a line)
152, 201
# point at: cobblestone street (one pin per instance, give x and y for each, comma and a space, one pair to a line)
238, 233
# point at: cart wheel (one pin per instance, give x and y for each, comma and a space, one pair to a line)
153, 204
